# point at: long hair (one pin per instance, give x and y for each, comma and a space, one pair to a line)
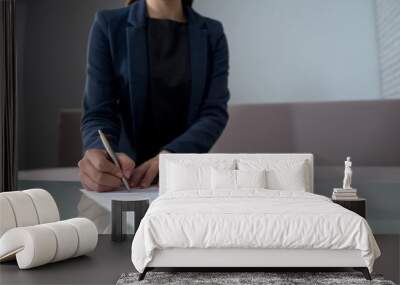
184, 2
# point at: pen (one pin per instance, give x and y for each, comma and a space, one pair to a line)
111, 153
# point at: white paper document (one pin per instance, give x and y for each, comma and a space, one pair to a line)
104, 198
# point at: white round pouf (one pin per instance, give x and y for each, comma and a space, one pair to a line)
87, 233
33, 246
67, 240
37, 245
26, 208
30, 230
46, 207
7, 218
23, 208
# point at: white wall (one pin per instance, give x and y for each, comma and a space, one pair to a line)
299, 50
388, 30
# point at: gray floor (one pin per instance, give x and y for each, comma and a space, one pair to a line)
389, 262
110, 260
103, 266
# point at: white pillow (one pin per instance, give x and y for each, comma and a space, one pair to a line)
223, 179
281, 174
237, 179
189, 177
193, 174
201, 161
251, 178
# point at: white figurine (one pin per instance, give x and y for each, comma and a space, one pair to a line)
347, 174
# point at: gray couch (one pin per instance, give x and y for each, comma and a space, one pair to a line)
369, 131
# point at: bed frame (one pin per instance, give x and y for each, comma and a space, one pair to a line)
250, 259
237, 259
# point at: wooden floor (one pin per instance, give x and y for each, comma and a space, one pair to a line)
110, 260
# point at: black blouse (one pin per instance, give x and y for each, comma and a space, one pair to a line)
169, 85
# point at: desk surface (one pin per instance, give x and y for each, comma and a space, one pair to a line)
103, 266
72, 202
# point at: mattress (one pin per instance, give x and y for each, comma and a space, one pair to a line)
250, 219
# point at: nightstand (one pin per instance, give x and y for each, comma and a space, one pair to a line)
118, 207
358, 206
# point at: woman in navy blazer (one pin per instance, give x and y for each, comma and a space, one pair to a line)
117, 90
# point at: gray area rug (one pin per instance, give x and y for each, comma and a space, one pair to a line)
269, 278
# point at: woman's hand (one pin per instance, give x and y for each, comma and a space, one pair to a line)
144, 174
98, 173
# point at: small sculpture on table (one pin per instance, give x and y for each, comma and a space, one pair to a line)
346, 192
348, 173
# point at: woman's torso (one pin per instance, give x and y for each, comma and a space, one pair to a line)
168, 85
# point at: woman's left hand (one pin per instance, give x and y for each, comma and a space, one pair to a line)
144, 174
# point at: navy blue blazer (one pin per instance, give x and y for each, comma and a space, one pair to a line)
117, 81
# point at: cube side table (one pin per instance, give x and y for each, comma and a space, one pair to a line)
358, 206
118, 220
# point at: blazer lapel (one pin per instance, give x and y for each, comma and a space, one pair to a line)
198, 60
137, 61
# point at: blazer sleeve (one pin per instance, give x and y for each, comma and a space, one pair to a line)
213, 117
100, 103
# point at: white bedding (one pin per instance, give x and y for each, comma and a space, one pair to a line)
250, 218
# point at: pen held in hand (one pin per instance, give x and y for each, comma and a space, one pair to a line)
113, 156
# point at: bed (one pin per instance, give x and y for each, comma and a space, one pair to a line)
245, 211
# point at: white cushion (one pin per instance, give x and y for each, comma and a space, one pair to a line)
189, 177
199, 160
87, 234
251, 178
32, 246
23, 208
281, 174
40, 244
226, 179
26, 208
46, 207
192, 174
67, 237
229, 161
7, 218
223, 179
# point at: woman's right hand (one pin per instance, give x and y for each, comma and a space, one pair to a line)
98, 173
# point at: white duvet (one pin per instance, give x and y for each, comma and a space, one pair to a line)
250, 219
